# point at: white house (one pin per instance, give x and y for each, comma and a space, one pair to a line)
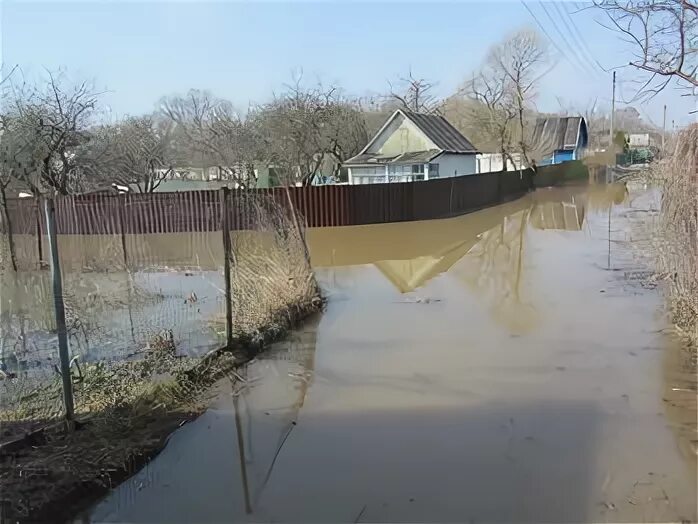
410, 147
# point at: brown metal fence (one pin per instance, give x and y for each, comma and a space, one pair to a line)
320, 206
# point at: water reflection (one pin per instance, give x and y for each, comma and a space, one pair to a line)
484, 251
266, 411
433, 410
412, 253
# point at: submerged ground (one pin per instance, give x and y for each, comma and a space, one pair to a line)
508, 365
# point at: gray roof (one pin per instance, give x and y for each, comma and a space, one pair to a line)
557, 133
441, 132
437, 129
369, 158
416, 157
412, 157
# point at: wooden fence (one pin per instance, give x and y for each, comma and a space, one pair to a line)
319, 206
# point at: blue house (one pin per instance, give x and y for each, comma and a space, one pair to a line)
560, 139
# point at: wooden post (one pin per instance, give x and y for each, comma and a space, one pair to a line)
225, 226
59, 308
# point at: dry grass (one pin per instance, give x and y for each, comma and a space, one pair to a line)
27, 341
271, 278
127, 409
677, 238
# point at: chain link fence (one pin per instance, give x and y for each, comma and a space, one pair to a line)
144, 292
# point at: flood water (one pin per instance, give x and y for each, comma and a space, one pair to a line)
508, 365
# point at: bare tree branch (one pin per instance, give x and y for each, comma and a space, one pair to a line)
211, 133
664, 35
520, 58
414, 94
306, 129
54, 122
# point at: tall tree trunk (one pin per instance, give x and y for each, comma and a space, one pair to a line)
522, 127
8, 222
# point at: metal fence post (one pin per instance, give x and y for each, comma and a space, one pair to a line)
122, 227
225, 225
129, 276
59, 308
38, 232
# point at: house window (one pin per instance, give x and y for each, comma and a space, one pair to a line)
417, 172
399, 173
433, 171
368, 175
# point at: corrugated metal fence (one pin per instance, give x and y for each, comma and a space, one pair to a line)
319, 206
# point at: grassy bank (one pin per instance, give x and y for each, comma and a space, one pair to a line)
128, 411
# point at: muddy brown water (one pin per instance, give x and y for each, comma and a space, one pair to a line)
502, 366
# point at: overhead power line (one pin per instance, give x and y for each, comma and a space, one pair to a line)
584, 42
572, 49
542, 28
578, 39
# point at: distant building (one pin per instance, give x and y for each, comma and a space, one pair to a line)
560, 139
637, 140
493, 162
412, 147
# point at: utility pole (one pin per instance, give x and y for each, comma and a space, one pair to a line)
613, 108
664, 129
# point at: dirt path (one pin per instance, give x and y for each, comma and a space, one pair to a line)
497, 367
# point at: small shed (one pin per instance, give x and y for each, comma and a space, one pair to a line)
560, 139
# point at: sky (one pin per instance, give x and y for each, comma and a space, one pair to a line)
245, 51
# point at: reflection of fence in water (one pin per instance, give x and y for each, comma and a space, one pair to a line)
266, 411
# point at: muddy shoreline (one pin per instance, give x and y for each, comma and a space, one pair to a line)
26, 463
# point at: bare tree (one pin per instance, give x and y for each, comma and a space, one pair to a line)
305, 128
15, 162
210, 128
413, 94
9, 74
494, 107
346, 132
55, 123
664, 36
140, 153
292, 129
520, 59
